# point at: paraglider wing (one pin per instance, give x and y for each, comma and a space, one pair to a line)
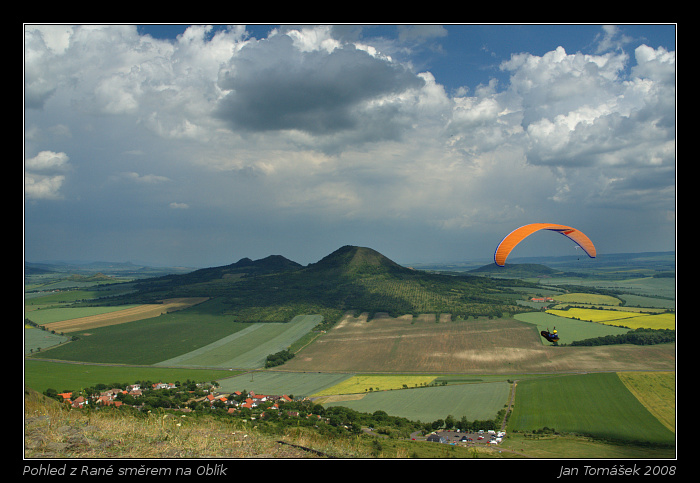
516, 236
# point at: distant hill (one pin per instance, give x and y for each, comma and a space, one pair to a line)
352, 260
88, 269
37, 269
350, 278
518, 270
245, 267
98, 277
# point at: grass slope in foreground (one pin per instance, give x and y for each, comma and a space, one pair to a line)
599, 405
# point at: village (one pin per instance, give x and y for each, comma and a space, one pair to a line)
201, 397
204, 398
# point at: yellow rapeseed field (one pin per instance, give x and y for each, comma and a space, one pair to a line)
632, 320
364, 383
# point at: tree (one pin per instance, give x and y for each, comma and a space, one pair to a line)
438, 423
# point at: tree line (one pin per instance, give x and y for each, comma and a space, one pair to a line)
639, 336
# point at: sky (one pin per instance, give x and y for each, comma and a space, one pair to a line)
193, 145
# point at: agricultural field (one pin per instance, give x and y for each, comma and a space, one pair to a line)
247, 348
413, 344
569, 330
595, 404
656, 391
150, 340
68, 293
645, 286
620, 318
407, 345
60, 313
586, 298
130, 314
36, 340
41, 375
648, 302
477, 401
421, 365
298, 384
360, 384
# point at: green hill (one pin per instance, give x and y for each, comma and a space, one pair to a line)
351, 261
245, 267
351, 278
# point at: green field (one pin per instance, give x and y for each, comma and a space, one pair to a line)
620, 318
290, 383
57, 314
248, 348
569, 330
595, 404
151, 340
37, 339
587, 298
42, 375
450, 346
202, 336
474, 401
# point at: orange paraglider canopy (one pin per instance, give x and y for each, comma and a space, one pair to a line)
518, 235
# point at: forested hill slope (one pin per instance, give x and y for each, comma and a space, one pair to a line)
350, 278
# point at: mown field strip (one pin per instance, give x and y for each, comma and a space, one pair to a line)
656, 391
196, 354
247, 348
130, 314
47, 316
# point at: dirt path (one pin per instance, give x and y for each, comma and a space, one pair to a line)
510, 405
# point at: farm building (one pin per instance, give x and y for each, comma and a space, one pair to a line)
542, 299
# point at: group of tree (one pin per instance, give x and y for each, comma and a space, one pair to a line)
639, 336
278, 358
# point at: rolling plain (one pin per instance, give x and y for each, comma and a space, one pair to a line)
371, 335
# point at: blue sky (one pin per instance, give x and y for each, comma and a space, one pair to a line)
200, 145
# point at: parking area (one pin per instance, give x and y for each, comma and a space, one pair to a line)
460, 437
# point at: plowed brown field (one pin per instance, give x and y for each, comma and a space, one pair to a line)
419, 344
132, 314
